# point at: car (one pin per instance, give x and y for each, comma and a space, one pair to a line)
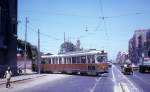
127, 69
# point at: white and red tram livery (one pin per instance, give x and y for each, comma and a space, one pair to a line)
83, 62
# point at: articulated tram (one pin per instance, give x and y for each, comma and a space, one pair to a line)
82, 62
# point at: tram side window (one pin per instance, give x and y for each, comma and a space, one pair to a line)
53, 60
56, 61
93, 59
88, 59
83, 59
68, 60
73, 60
43, 61
78, 59
65, 60
60, 60
50, 61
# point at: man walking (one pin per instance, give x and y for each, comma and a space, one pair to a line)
8, 75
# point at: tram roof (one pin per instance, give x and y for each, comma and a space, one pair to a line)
76, 53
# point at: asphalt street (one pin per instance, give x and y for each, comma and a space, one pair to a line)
114, 81
141, 80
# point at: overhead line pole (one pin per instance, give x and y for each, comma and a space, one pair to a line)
25, 58
39, 54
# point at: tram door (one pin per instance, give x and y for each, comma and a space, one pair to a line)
91, 63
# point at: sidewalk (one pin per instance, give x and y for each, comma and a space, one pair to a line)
21, 78
38, 79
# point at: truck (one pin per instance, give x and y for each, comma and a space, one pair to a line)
144, 66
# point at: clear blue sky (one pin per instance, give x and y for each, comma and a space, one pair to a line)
54, 17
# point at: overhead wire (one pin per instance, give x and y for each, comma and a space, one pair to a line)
103, 18
41, 33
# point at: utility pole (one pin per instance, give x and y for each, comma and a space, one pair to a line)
64, 38
25, 58
64, 43
39, 54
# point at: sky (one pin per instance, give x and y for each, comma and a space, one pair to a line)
54, 17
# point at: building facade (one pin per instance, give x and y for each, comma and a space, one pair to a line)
122, 57
8, 35
139, 45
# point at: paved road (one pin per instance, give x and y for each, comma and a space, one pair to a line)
141, 80
114, 81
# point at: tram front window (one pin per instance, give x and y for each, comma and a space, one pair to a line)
100, 59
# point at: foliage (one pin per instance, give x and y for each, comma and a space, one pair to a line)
31, 49
67, 47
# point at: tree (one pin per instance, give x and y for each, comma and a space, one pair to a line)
31, 49
67, 47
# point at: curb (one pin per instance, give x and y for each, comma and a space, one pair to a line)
22, 79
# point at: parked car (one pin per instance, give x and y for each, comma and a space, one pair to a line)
127, 69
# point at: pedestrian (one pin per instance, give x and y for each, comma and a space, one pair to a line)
8, 75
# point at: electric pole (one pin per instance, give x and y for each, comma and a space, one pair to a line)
25, 58
39, 54
64, 43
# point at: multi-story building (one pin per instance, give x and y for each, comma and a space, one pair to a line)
148, 40
139, 45
8, 34
133, 55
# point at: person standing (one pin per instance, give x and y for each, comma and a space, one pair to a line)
8, 75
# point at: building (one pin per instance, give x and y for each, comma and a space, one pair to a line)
8, 35
148, 42
132, 51
122, 57
139, 45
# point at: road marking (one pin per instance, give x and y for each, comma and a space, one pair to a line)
117, 87
133, 87
113, 75
97, 81
124, 87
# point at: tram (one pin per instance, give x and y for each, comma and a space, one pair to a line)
81, 62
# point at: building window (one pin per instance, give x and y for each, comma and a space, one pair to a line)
140, 42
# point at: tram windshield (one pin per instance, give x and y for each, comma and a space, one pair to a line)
101, 59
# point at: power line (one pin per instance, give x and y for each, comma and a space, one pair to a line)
46, 35
63, 14
103, 17
33, 28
